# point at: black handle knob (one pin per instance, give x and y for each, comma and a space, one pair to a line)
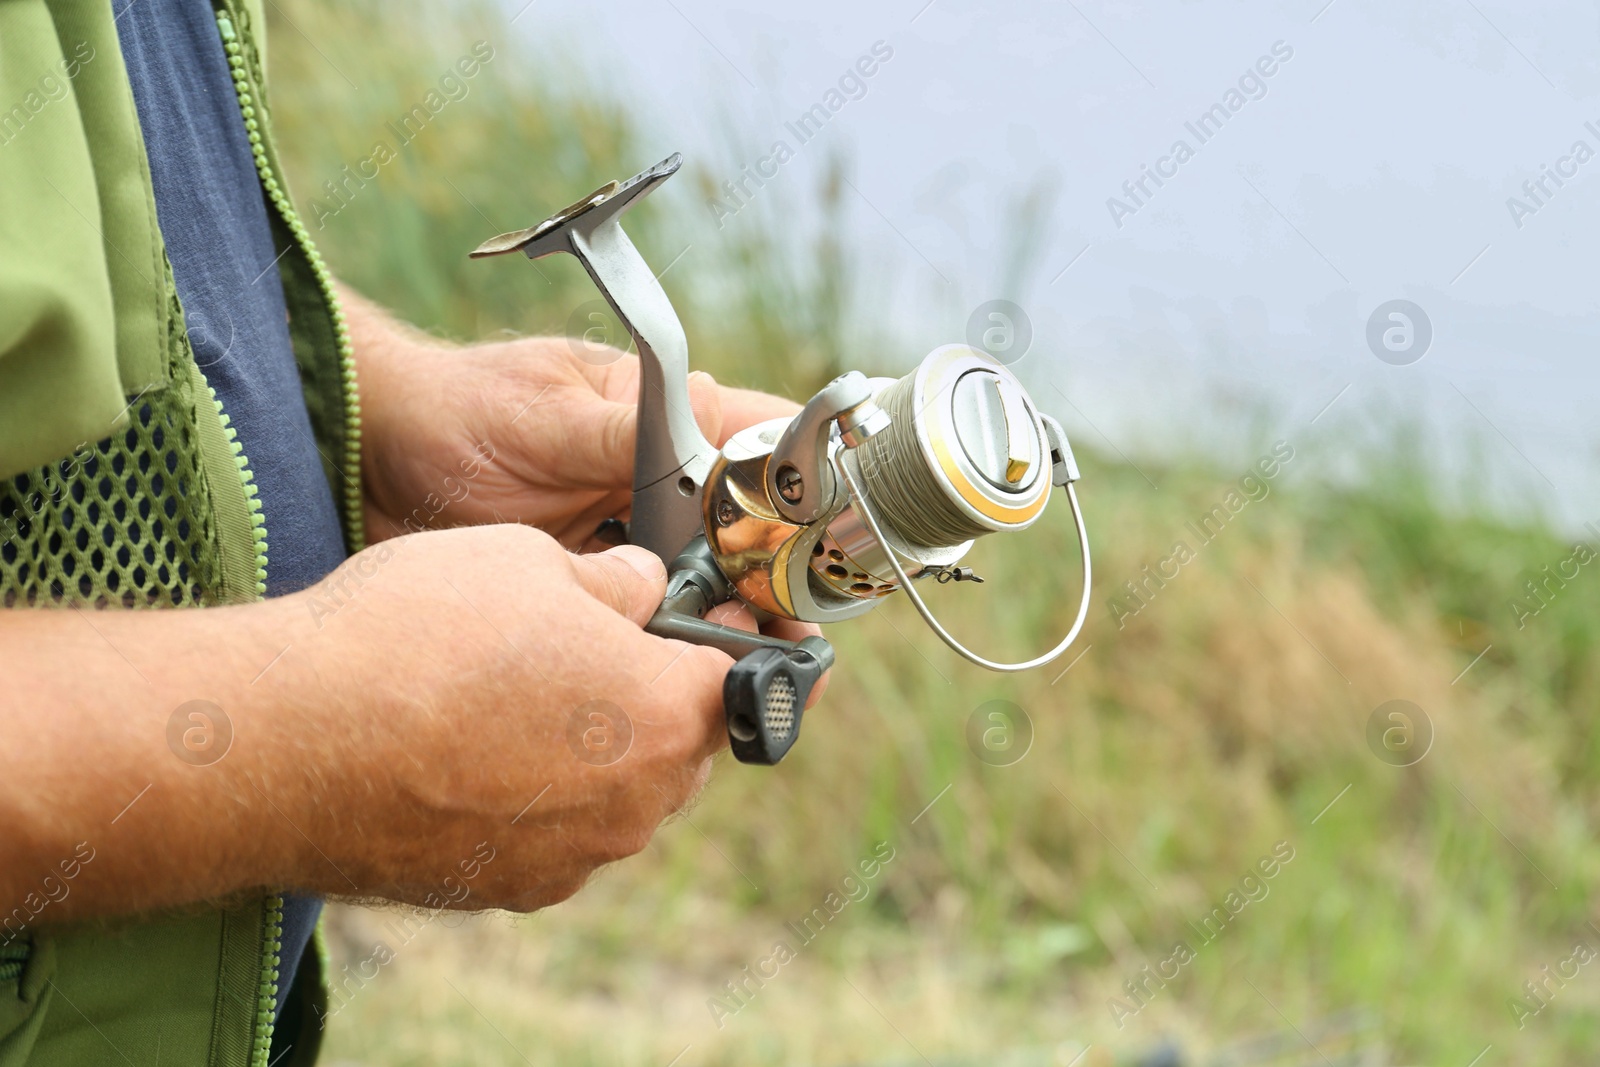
764, 697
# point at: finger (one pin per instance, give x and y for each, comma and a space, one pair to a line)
746, 407
732, 410
628, 579
819, 688
691, 685
790, 630
595, 528
588, 546
594, 439
600, 448
705, 399
733, 613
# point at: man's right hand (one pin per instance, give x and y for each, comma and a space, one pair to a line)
508, 695
431, 704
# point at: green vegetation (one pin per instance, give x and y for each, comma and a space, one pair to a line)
1227, 715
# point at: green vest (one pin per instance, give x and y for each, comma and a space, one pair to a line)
122, 485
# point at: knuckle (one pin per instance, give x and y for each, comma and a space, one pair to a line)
710, 666
566, 890
527, 546
700, 698
685, 741
617, 432
534, 540
551, 893
678, 735
626, 841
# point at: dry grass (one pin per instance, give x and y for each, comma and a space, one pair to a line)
1170, 759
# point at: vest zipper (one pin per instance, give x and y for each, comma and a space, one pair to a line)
354, 526
252, 495
267, 991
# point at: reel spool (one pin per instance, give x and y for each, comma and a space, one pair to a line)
963, 453
875, 485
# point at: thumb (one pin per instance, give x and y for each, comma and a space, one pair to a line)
600, 450
627, 579
595, 443
705, 400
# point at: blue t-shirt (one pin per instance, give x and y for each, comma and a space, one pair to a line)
213, 219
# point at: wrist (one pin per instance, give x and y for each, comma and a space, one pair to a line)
355, 692
281, 706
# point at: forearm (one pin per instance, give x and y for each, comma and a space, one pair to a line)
509, 431
405, 381
93, 767
406, 718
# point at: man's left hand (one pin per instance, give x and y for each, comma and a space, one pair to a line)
535, 430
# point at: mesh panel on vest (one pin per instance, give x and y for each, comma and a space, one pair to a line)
126, 522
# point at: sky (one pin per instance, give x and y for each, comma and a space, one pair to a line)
1357, 153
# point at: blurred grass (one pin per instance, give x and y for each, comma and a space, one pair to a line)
1226, 716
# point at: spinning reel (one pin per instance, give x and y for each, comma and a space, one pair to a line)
874, 486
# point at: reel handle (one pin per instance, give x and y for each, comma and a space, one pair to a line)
764, 694
764, 698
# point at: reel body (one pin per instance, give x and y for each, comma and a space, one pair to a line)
962, 456
874, 486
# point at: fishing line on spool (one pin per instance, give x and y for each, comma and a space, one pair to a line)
902, 484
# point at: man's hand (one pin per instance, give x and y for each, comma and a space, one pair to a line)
524, 431
531, 713
420, 726
547, 435
430, 705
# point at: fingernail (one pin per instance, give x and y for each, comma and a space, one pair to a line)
646, 563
